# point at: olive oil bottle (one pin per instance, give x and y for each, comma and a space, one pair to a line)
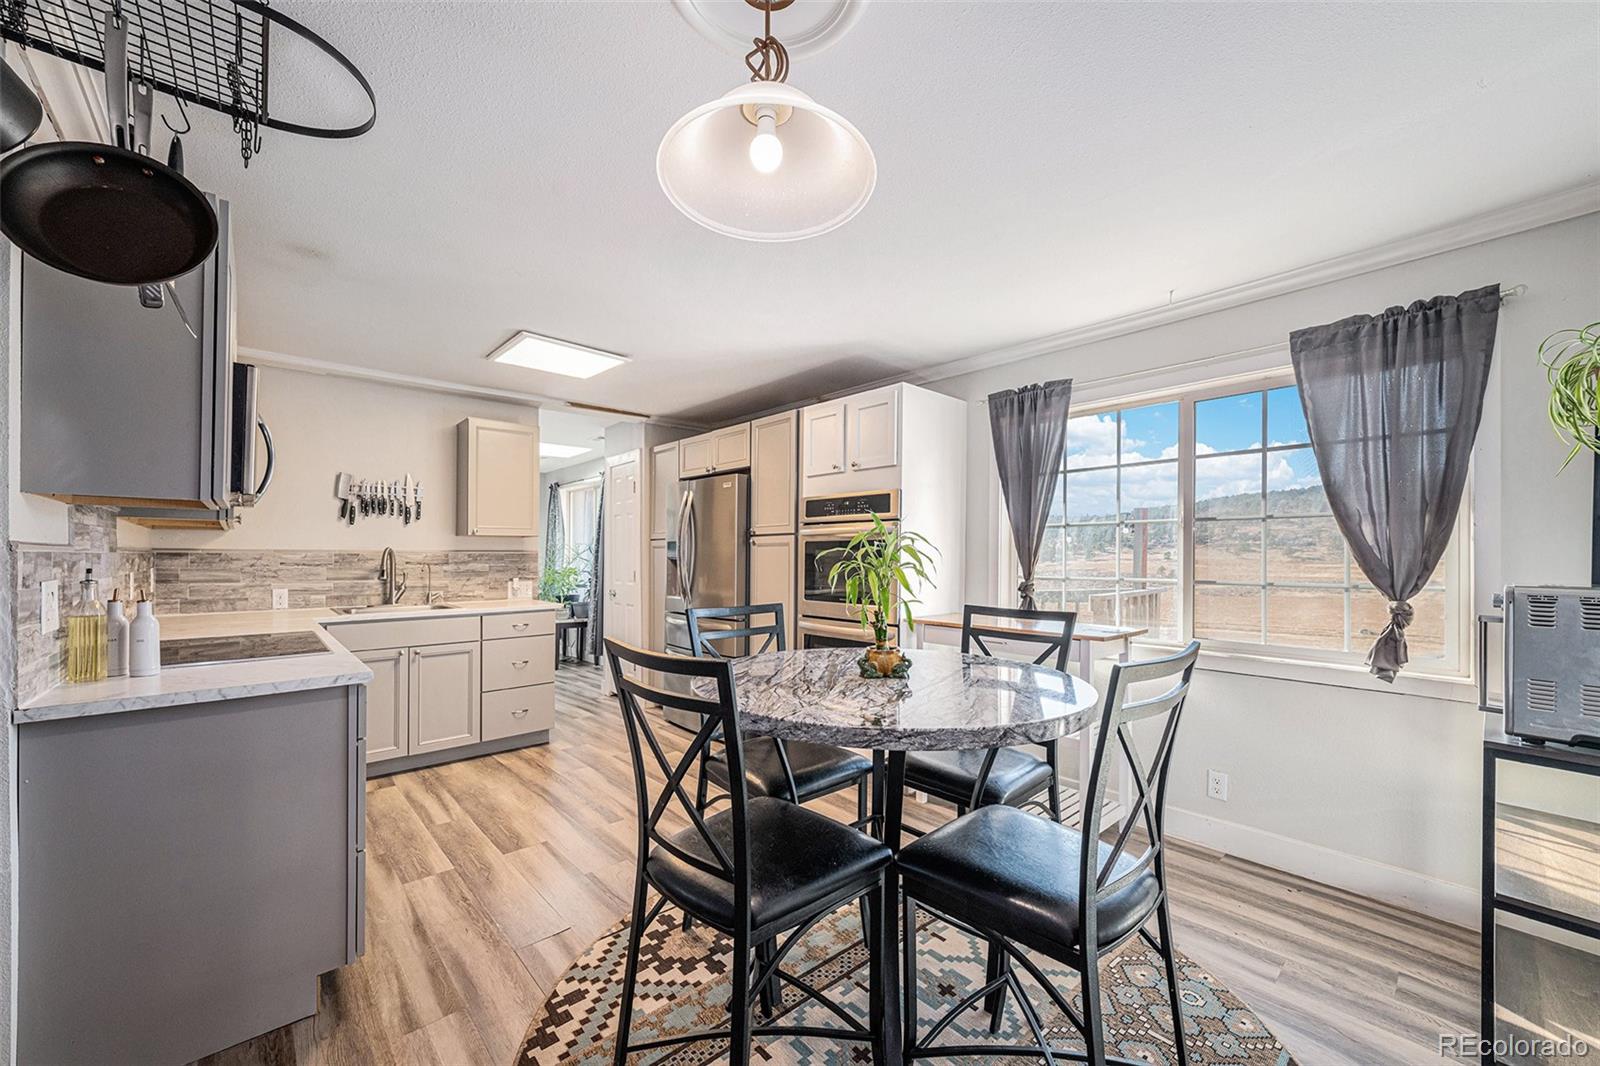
86, 632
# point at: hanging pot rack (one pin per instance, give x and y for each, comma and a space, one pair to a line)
213, 53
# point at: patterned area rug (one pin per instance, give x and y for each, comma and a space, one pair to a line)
683, 987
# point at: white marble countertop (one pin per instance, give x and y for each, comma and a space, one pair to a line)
204, 683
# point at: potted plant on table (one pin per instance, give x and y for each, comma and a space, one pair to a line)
560, 584
1571, 359
877, 568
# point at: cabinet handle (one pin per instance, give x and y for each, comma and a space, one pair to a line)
836, 466
520, 625
519, 665
519, 714
854, 463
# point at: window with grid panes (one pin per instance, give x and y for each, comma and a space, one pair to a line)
1205, 516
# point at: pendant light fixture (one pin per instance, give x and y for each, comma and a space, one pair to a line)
764, 161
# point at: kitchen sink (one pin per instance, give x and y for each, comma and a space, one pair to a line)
392, 608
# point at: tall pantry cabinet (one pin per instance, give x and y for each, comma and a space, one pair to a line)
769, 449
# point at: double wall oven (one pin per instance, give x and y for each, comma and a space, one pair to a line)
826, 523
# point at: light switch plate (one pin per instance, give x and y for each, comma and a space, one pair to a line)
280, 599
49, 606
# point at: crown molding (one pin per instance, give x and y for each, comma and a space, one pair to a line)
1491, 225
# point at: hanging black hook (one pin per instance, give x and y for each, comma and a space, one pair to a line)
187, 124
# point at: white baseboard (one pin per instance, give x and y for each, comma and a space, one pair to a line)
1444, 900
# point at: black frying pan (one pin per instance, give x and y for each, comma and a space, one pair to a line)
106, 212
103, 213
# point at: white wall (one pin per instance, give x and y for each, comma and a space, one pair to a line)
323, 425
1349, 782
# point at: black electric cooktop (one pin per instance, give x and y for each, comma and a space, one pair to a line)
192, 651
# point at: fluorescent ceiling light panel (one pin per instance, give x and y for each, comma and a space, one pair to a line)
561, 451
556, 357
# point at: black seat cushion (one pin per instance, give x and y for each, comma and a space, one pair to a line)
1016, 874
818, 768
950, 775
798, 858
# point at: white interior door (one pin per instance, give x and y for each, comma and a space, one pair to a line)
624, 610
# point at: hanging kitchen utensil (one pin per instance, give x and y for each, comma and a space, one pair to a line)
417, 512
20, 110
405, 501
107, 212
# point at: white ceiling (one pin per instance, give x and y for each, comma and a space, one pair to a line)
1041, 166
569, 427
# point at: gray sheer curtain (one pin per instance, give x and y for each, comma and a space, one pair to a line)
1393, 404
597, 597
1029, 426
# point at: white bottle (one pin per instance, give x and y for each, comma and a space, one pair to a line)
116, 637
144, 641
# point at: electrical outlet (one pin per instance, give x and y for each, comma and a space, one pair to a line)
49, 607
1217, 785
280, 599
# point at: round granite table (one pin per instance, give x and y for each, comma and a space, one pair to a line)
951, 701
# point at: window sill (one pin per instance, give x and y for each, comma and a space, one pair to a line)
1453, 688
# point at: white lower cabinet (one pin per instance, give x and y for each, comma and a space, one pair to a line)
388, 703
513, 711
444, 692
445, 686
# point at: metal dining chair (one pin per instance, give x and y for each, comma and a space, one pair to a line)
1022, 882
763, 871
1010, 776
794, 770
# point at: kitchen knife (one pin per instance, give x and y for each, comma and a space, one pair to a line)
405, 501
418, 514
341, 491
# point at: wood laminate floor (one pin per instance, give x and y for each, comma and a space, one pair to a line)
486, 878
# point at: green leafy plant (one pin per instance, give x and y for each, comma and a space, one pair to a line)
876, 564
1571, 359
559, 582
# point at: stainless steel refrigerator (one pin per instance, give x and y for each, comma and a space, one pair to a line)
708, 562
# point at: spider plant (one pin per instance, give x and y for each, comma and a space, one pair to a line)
1571, 359
874, 565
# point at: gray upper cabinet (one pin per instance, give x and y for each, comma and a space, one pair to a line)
497, 479
773, 474
444, 696
123, 404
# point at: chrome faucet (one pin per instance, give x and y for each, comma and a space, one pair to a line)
394, 584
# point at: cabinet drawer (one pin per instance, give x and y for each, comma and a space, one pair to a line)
521, 624
518, 661
514, 711
404, 633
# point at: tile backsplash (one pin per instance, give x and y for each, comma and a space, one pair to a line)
93, 543
195, 582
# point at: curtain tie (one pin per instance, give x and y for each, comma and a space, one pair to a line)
1389, 654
